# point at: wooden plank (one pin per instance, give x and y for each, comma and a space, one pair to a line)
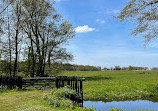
40, 78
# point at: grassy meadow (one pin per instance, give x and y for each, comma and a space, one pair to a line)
33, 101
98, 85
117, 85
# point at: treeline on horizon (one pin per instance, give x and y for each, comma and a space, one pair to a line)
50, 70
74, 67
56, 68
127, 68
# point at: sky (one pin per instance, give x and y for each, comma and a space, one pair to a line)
101, 40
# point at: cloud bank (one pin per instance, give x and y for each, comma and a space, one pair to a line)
84, 29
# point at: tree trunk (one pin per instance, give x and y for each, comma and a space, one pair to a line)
39, 69
10, 51
33, 60
16, 41
28, 61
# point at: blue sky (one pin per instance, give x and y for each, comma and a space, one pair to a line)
100, 39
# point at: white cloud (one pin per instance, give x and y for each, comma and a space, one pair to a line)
84, 29
100, 21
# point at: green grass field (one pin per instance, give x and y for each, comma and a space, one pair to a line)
23, 100
15, 100
117, 85
98, 85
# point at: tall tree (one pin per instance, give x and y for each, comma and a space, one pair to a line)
10, 47
40, 31
145, 14
47, 33
6, 40
17, 29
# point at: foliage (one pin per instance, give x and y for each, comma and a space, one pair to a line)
65, 92
4, 66
154, 68
145, 14
73, 67
105, 68
34, 34
117, 68
63, 98
135, 68
130, 68
116, 109
53, 70
3, 89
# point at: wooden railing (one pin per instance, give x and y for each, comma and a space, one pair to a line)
38, 83
11, 82
74, 83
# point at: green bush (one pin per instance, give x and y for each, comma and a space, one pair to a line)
3, 89
65, 93
63, 98
116, 109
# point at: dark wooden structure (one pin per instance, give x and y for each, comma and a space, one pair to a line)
74, 83
38, 83
11, 82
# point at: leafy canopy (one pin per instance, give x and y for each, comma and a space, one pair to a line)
144, 13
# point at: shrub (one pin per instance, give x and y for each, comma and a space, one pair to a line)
3, 89
64, 98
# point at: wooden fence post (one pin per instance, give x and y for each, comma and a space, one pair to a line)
81, 91
68, 82
76, 84
0, 80
57, 82
71, 83
20, 82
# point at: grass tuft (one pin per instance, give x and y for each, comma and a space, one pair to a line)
63, 98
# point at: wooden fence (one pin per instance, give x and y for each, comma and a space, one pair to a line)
38, 83
11, 82
74, 83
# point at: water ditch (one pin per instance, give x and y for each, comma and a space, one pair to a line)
149, 104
